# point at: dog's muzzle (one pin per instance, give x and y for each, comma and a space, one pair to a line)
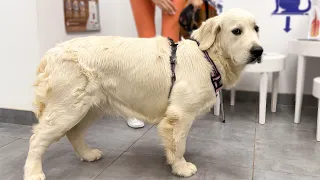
255, 54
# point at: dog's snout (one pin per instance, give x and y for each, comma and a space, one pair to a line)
256, 51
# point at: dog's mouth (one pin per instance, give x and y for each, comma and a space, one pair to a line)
254, 59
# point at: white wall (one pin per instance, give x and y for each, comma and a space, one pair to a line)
33, 27
19, 53
115, 17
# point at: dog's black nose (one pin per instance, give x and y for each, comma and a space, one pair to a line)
256, 51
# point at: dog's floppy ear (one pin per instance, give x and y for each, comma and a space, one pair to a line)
206, 34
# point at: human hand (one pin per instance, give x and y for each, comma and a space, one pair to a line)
166, 6
196, 3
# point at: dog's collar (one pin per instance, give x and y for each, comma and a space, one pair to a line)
215, 74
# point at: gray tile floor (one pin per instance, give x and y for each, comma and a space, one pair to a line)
241, 149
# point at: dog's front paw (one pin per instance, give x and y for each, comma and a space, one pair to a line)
38, 176
185, 169
91, 155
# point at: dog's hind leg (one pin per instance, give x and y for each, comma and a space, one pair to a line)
76, 137
54, 122
174, 129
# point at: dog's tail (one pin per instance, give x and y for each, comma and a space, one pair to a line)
41, 88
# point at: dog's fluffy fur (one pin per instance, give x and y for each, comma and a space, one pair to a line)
82, 79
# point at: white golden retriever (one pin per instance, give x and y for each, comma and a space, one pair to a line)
80, 80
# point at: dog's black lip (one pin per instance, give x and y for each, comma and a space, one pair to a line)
259, 59
253, 60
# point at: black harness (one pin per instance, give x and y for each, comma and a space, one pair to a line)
215, 74
173, 62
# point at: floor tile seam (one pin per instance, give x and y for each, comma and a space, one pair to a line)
211, 139
204, 161
64, 143
19, 137
122, 153
254, 153
108, 165
285, 127
255, 140
12, 124
287, 173
139, 138
306, 167
229, 165
9, 143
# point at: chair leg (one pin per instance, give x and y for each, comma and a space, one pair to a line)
232, 96
299, 88
275, 86
263, 97
222, 107
217, 106
318, 122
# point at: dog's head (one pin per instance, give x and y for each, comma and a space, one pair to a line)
234, 33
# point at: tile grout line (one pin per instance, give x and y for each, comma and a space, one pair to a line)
10, 143
138, 138
123, 153
254, 142
254, 151
19, 137
283, 172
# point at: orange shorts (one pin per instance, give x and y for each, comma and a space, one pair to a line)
144, 14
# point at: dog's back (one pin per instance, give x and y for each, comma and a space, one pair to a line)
106, 68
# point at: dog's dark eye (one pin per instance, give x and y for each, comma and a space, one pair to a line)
237, 31
256, 28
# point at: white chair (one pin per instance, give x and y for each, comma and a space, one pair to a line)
271, 63
316, 93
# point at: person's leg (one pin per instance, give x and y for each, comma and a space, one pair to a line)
143, 13
170, 23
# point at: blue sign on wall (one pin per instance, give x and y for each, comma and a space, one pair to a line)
289, 8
